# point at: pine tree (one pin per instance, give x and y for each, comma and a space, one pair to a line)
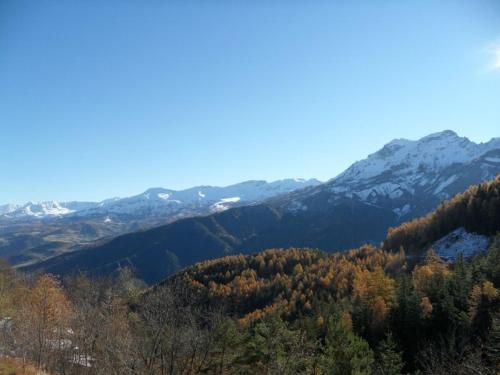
226, 340
492, 346
389, 360
344, 353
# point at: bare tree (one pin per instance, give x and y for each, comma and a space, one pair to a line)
172, 339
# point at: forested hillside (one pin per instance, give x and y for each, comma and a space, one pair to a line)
477, 210
366, 311
289, 281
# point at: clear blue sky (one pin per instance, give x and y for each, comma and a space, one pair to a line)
107, 98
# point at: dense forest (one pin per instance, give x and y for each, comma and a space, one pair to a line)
278, 312
297, 311
436, 317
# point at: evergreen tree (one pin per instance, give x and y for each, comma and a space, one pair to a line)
344, 353
272, 348
226, 340
389, 361
492, 347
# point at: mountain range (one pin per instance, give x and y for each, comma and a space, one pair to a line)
158, 202
35, 231
403, 180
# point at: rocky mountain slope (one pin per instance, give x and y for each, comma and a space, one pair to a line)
409, 177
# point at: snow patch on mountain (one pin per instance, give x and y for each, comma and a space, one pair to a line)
389, 189
445, 183
460, 242
402, 211
224, 204
163, 196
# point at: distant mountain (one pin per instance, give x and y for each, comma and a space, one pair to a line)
42, 210
160, 202
7, 208
403, 180
36, 231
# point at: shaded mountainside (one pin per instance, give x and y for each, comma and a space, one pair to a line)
158, 252
405, 179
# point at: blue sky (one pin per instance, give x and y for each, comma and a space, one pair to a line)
108, 98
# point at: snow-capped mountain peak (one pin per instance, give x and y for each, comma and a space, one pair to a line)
410, 176
402, 156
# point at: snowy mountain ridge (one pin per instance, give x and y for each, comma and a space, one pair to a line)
428, 154
409, 176
432, 165
158, 201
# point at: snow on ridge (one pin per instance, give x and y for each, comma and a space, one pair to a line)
164, 196
460, 242
445, 184
224, 204
160, 201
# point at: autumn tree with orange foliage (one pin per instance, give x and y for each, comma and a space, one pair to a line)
43, 320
